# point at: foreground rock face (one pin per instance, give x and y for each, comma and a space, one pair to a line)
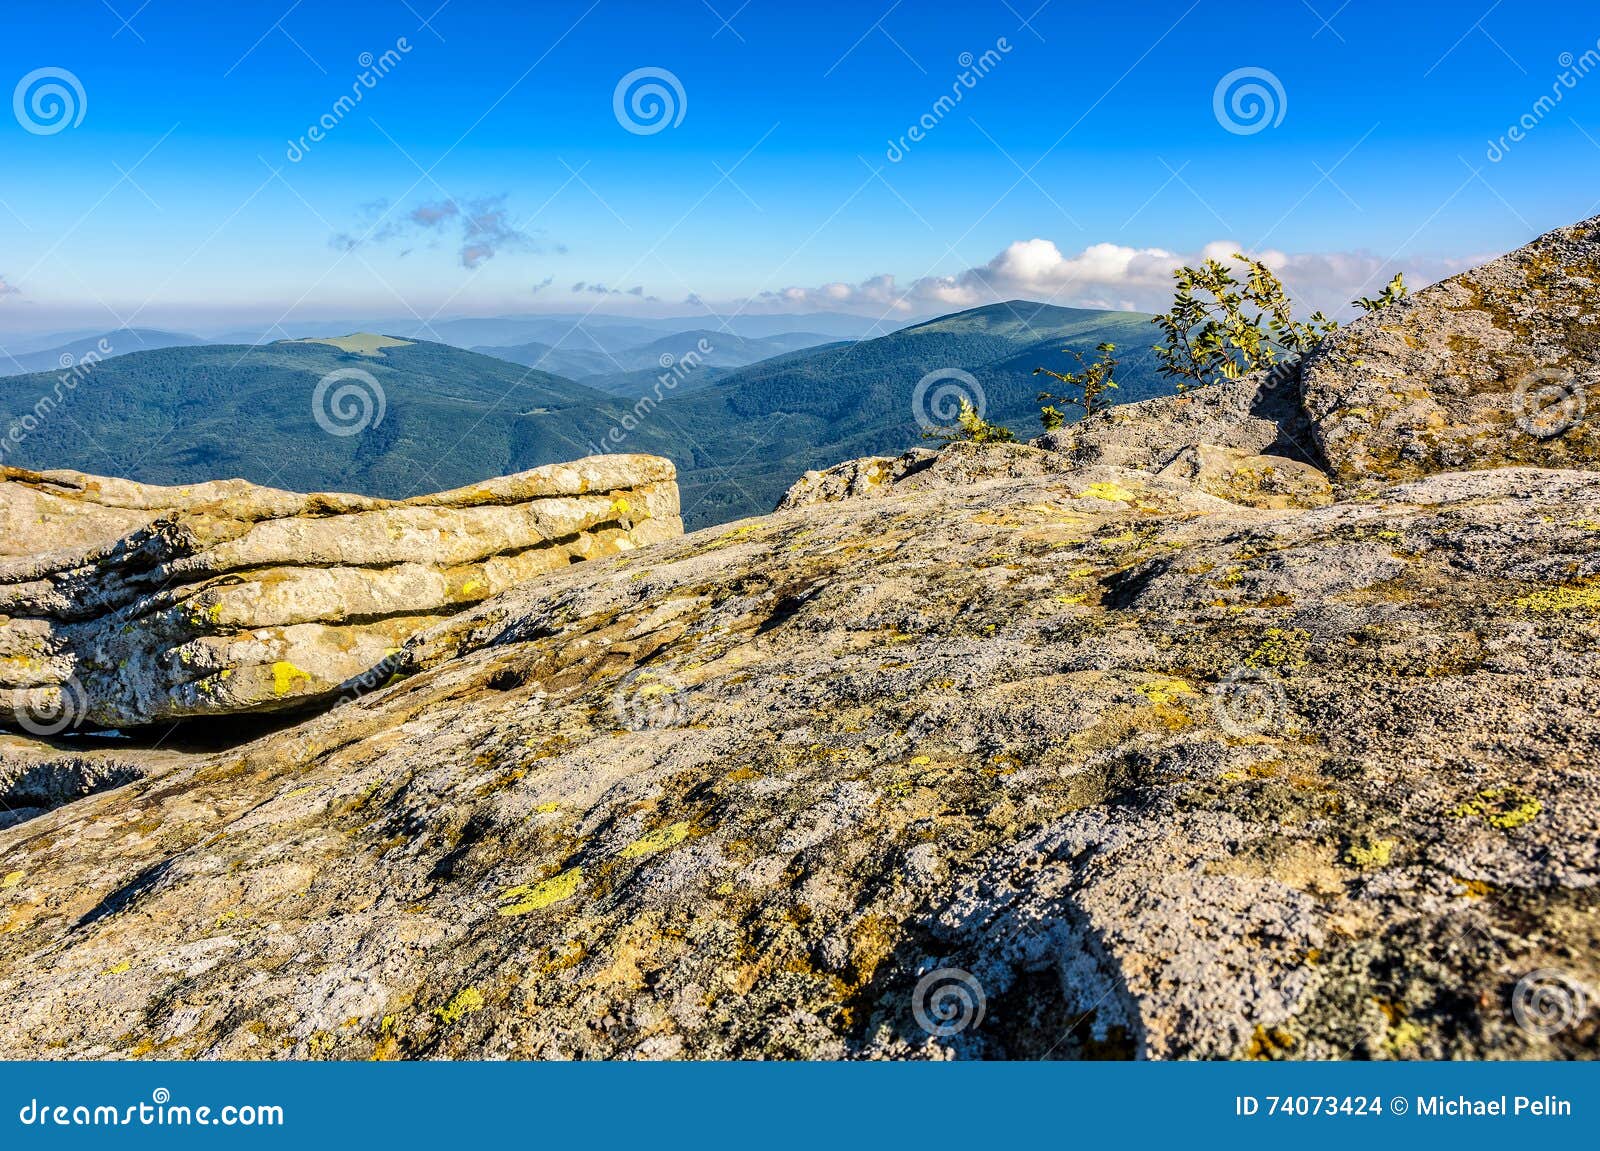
123, 605
1154, 773
1493, 367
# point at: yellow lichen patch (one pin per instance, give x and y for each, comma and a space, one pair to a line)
472, 586
619, 507
465, 1002
1370, 853
1588, 525
1404, 1035
532, 897
546, 808
658, 840
1578, 597
920, 761
735, 534
285, 675
1122, 538
1072, 600
119, 969
1270, 1044
1109, 491
1503, 808
1280, 648
1165, 690
11, 880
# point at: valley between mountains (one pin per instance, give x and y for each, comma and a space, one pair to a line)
738, 431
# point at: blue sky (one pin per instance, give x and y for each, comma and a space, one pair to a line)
487, 171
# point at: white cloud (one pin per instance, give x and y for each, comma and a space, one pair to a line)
1107, 275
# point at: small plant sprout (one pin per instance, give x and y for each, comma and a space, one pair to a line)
972, 427
1091, 382
1393, 293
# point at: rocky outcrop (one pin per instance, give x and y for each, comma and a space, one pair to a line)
230, 598
1241, 476
1495, 367
1258, 414
1146, 772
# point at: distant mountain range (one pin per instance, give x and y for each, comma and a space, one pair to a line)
755, 430
102, 345
176, 415
593, 330
623, 370
740, 434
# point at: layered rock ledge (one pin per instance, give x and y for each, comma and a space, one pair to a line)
228, 598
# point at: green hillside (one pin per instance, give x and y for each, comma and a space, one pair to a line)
740, 437
754, 431
630, 371
180, 415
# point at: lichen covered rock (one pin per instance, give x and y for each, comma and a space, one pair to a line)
231, 598
1494, 367
1144, 771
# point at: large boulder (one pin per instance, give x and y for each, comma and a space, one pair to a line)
1494, 367
1256, 414
123, 605
1238, 475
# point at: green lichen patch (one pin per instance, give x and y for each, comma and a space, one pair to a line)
464, 1003
1504, 808
531, 897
